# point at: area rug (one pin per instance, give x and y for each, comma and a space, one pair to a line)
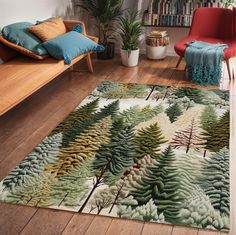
143, 152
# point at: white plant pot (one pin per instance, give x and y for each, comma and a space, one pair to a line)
156, 53
129, 60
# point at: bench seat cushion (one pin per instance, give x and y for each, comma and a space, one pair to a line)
70, 45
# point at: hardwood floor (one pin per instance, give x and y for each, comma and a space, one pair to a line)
23, 127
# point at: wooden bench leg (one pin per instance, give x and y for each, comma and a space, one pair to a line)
71, 68
228, 68
179, 61
89, 63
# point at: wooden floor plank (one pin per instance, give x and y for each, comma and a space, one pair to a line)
99, 226
13, 218
47, 220
78, 225
125, 227
179, 230
154, 229
207, 232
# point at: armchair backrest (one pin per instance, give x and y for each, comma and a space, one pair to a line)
213, 23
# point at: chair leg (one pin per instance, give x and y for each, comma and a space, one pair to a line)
89, 63
228, 68
179, 61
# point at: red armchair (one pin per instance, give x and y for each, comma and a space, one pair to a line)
212, 25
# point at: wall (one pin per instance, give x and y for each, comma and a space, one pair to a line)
31, 10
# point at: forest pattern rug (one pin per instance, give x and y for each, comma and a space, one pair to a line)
144, 152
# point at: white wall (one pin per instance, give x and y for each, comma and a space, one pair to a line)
12, 11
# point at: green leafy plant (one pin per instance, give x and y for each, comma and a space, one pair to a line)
107, 14
130, 31
229, 3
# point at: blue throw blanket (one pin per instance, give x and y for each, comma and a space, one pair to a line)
204, 62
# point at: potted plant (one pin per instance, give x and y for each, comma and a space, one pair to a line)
107, 14
130, 31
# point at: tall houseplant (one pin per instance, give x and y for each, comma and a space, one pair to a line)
107, 14
130, 31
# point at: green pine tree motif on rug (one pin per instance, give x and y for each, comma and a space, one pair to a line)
215, 180
81, 114
113, 158
161, 184
173, 112
217, 137
33, 166
148, 141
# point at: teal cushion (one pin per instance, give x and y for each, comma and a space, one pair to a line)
70, 45
19, 34
77, 28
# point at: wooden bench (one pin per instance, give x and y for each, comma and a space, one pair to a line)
21, 77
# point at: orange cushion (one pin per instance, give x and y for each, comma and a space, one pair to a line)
22, 49
49, 29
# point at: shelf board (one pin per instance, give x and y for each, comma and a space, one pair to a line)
165, 26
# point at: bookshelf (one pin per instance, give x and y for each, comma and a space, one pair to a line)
174, 13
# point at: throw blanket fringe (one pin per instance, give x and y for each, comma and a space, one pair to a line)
204, 62
205, 75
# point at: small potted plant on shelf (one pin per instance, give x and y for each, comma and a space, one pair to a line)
130, 31
107, 14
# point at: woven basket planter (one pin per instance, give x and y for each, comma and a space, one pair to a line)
156, 47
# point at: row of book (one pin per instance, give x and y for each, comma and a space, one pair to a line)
167, 20
180, 7
175, 12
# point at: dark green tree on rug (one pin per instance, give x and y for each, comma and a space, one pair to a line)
193, 94
108, 86
113, 158
33, 165
161, 183
214, 180
208, 118
135, 114
224, 95
137, 90
81, 114
218, 136
188, 138
173, 112
148, 141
